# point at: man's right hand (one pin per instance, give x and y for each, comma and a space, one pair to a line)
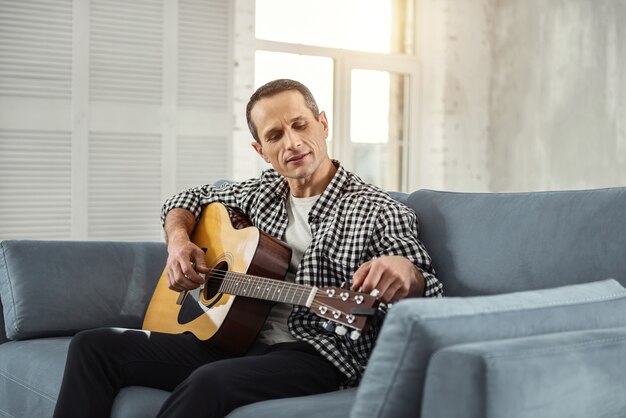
185, 265
181, 273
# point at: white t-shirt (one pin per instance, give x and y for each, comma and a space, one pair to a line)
298, 237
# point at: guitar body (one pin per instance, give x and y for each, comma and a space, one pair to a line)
230, 323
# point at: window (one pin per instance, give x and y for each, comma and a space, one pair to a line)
357, 57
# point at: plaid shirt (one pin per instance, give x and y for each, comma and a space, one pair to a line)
352, 222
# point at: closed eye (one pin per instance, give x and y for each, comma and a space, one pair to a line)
299, 126
273, 136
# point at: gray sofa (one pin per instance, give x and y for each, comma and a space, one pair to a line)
534, 323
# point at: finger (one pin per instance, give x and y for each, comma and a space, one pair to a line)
171, 282
394, 292
175, 287
188, 271
360, 274
171, 269
188, 274
185, 283
199, 262
177, 279
387, 284
373, 278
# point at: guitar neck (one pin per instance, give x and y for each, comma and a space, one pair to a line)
240, 284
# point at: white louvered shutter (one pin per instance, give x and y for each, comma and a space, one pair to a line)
204, 74
125, 95
35, 129
106, 108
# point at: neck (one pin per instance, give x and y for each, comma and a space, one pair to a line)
314, 184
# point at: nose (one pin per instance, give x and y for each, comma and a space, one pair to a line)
292, 139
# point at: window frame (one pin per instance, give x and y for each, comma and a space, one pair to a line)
344, 62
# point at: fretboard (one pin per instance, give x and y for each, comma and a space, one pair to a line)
240, 284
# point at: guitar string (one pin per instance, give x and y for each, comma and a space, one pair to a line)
215, 284
304, 293
305, 290
297, 292
265, 280
218, 276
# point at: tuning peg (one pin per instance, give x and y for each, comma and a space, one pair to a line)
355, 335
341, 330
328, 326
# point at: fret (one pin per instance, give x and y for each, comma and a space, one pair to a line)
245, 287
240, 284
273, 289
253, 288
301, 296
222, 286
278, 293
228, 283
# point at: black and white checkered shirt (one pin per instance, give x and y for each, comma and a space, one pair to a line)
352, 222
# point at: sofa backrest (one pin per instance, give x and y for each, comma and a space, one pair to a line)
488, 243
53, 288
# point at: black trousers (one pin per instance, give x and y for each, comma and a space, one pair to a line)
204, 382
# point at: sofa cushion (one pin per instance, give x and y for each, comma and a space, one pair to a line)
335, 404
415, 328
570, 374
30, 376
138, 402
76, 285
491, 243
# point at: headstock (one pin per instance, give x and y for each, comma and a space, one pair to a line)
346, 307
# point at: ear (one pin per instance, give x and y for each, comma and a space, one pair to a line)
259, 150
324, 123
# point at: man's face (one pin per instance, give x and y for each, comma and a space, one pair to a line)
292, 140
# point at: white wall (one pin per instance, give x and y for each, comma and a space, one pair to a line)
522, 94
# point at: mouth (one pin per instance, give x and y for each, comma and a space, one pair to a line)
297, 158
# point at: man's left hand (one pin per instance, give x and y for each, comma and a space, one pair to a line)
394, 277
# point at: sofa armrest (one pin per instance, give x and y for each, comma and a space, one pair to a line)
53, 288
572, 374
393, 382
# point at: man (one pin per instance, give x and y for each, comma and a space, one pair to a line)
341, 230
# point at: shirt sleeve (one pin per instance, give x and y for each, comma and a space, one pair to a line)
235, 195
398, 235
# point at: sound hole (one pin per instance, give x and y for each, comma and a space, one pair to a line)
214, 281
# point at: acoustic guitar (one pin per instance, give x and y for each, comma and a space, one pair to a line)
247, 271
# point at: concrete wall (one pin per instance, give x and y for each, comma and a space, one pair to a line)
455, 51
558, 94
522, 94
245, 160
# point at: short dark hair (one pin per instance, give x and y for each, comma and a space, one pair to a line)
273, 88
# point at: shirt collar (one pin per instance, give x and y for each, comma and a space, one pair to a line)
331, 194
278, 187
